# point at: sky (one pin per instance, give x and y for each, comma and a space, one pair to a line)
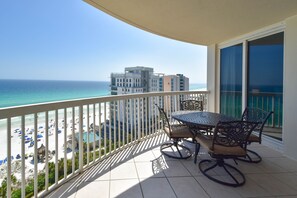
72, 40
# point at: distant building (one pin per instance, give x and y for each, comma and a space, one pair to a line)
176, 82
140, 80
134, 80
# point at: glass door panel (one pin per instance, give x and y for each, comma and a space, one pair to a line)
231, 81
265, 79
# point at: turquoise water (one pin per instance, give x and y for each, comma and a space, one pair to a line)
91, 136
197, 86
23, 92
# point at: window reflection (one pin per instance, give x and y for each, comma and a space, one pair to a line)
265, 79
231, 81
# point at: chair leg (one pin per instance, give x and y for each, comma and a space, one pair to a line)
197, 148
220, 163
248, 157
177, 146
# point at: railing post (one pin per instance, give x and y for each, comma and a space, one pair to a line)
138, 119
65, 142
273, 109
81, 138
9, 157
46, 151
56, 148
23, 158
35, 156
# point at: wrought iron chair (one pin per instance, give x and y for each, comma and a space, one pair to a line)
260, 116
229, 141
191, 105
176, 132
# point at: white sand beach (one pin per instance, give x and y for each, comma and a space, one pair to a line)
16, 136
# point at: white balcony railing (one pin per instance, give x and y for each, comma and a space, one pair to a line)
45, 145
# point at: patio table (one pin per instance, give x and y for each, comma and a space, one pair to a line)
200, 118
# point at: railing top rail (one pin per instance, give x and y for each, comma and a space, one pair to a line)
50, 106
256, 93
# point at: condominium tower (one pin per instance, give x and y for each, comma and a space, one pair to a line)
141, 80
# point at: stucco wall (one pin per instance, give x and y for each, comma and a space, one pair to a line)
290, 89
211, 77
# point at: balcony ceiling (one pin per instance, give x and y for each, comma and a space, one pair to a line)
202, 22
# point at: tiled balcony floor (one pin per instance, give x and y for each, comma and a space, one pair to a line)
141, 171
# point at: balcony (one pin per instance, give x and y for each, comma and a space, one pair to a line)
118, 154
141, 171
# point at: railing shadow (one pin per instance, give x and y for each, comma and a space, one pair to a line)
102, 169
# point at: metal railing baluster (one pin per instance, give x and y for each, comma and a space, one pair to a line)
23, 157
9, 157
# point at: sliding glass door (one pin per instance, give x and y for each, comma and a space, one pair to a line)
265, 79
264, 75
231, 80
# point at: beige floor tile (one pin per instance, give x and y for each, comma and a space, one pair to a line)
187, 187
144, 157
156, 187
98, 172
149, 169
175, 168
94, 189
157, 153
285, 163
192, 167
128, 188
67, 190
264, 151
215, 190
289, 179
125, 156
251, 189
272, 185
124, 171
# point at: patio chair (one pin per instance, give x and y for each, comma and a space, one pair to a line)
191, 105
260, 116
176, 132
229, 141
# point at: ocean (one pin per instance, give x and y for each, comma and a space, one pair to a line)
24, 92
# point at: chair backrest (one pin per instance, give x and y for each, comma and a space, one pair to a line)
256, 115
191, 105
164, 118
233, 133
